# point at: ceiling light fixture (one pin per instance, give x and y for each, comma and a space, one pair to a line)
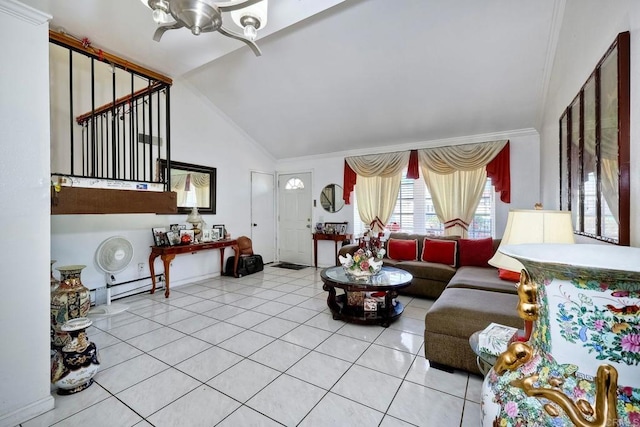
204, 16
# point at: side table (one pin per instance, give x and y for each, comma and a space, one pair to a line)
326, 236
168, 253
484, 360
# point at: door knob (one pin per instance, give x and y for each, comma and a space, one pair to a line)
255, 225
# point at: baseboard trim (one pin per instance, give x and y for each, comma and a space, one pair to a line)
25, 413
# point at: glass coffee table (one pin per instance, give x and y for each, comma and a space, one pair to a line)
365, 301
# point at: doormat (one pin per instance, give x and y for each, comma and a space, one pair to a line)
290, 266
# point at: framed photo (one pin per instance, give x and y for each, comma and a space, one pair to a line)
159, 236
221, 230
189, 233
173, 238
215, 234
174, 227
207, 235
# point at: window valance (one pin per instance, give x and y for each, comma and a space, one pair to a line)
494, 156
446, 160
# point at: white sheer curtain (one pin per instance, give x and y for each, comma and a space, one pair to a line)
455, 197
377, 185
455, 177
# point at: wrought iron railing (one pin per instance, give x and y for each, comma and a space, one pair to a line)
110, 118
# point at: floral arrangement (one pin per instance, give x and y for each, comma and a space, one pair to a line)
367, 260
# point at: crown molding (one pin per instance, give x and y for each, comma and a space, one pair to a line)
459, 140
24, 12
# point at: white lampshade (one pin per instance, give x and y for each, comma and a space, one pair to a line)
532, 226
256, 11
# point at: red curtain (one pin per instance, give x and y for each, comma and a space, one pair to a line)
413, 170
349, 181
499, 170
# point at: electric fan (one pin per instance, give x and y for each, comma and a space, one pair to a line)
113, 256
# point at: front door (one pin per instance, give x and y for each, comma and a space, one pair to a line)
263, 224
294, 218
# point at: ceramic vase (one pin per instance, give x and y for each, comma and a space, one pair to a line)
74, 366
581, 363
70, 300
54, 282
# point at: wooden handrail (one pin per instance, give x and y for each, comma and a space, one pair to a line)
77, 45
120, 101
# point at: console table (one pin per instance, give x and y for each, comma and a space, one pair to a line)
322, 236
168, 253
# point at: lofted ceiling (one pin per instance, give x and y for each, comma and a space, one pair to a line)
339, 75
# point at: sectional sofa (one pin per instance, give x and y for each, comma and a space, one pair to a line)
468, 293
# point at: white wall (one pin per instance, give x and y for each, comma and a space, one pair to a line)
24, 170
588, 29
200, 135
525, 178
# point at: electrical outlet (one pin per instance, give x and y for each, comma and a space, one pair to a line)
140, 267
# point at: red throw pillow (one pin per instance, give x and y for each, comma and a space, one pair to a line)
512, 276
440, 251
402, 250
475, 252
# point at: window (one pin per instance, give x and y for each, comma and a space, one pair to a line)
415, 213
594, 150
294, 184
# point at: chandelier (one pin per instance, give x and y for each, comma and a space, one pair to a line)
205, 16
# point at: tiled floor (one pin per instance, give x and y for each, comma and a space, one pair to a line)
262, 350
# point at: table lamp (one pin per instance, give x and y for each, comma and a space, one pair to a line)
195, 219
531, 226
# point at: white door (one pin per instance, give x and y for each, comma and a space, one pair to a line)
263, 224
294, 218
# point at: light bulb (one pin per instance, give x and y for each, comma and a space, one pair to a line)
250, 32
160, 16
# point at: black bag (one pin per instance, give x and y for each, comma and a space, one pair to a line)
247, 264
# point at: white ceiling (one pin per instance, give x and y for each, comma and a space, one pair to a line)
339, 75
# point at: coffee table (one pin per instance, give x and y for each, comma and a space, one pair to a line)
387, 282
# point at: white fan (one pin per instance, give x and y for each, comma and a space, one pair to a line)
113, 256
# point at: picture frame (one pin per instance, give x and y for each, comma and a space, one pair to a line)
189, 233
173, 238
159, 236
221, 230
207, 235
174, 227
215, 234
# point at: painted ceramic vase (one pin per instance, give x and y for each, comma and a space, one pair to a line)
54, 282
74, 366
581, 363
70, 300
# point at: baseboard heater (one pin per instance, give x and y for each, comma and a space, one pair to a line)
101, 294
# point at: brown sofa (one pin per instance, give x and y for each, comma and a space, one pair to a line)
467, 298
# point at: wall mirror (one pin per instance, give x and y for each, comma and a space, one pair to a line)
194, 184
594, 150
331, 198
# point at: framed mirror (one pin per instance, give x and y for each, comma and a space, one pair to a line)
194, 184
331, 198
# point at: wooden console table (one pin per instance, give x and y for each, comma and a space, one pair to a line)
168, 253
322, 236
